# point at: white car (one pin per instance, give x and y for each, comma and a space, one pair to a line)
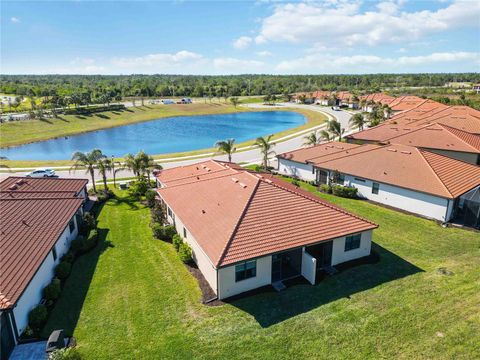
41, 173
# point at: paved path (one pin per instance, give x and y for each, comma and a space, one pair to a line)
249, 156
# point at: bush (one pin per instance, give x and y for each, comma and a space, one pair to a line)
62, 270
105, 195
52, 291
296, 183
37, 317
185, 253
150, 196
77, 244
325, 188
177, 241
138, 188
69, 256
89, 222
158, 213
169, 232
65, 354
346, 192
157, 230
90, 242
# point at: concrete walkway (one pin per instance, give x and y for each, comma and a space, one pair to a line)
253, 155
30, 351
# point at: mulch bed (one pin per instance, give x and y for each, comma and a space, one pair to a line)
207, 293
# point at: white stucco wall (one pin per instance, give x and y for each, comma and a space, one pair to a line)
309, 266
339, 255
44, 275
293, 168
226, 279
462, 156
413, 201
201, 259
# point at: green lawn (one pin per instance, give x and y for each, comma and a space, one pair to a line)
132, 298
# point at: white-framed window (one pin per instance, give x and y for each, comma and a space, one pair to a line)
352, 242
184, 233
375, 188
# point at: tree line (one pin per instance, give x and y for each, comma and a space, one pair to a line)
121, 86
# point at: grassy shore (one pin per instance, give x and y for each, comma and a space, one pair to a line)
131, 297
21, 132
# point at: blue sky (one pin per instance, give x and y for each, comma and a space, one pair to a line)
222, 37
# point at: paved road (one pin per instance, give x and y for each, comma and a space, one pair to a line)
249, 156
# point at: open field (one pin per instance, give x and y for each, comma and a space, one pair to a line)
131, 297
16, 133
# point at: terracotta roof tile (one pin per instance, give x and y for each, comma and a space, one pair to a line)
305, 154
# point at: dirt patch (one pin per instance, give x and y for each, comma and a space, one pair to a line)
208, 295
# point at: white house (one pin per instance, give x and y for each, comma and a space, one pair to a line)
400, 176
248, 231
28, 208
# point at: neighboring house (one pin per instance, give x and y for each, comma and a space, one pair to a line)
248, 230
377, 98
39, 217
404, 177
438, 138
300, 163
345, 98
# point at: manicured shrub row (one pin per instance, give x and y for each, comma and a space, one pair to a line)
94, 109
338, 190
82, 244
164, 233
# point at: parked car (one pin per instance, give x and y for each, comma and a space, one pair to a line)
336, 108
41, 173
168, 102
186, 101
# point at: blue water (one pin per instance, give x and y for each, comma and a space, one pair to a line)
168, 135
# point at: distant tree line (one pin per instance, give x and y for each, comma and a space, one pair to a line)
116, 87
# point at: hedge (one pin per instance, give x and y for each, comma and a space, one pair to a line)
52, 291
62, 270
37, 317
177, 241
185, 253
346, 192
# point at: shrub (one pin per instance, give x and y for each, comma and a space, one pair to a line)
138, 188
77, 244
185, 253
343, 191
105, 195
157, 230
169, 232
52, 290
325, 188
158, 213
37, 317
91, 241
150, 196
69, 256
177, 241
296, 183
65, 354
62, 270
28, 332
89, 222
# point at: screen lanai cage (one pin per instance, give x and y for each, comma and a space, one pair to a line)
467, 211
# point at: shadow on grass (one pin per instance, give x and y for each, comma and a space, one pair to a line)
80, 117
130, 200
103, 116
270, 307
45, 120
66, 311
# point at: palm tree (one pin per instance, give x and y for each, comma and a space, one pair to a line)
147, 164
325, 135
226, 147
265, 148
234, 101
335, 128
387, 111
358, 121
311, 139
87, 160
104, 165
133, 163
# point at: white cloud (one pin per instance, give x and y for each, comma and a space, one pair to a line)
238, 66
242, 42
264, 53
158, 60
345, 23
401, 50
14, 19
328, 63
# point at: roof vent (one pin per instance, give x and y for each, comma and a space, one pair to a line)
242, 185
268, 181
203, 211
392, 150
19, 182
235, 180
12, 187
406, 152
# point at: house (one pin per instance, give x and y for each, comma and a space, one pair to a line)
248, 230
437, 137
377, 98
39, 219
403, 177
347, 99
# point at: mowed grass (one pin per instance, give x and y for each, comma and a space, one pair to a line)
131, 298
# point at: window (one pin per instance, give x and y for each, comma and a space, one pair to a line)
71, 225
352, 242
375, 188
169, 211
245, 270
54, 253
184, 232
358, 179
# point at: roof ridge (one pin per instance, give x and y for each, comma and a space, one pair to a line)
421, 127
377, 147
41, 198
200, 180
318, 200
422, 155
44, 178
455, 132
242, 215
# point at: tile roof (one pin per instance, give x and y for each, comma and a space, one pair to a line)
43, 184
305, 154
31, 223
394, 164
408, 102
234, 217
378, 98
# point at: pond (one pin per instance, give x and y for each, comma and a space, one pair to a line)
161, 136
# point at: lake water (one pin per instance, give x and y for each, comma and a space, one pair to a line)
168, 135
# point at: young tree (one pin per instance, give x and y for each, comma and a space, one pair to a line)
335, 128
88, 161
226, 147
357, 121
234, 101
325, 135
265, 148
104, 165
311, 139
